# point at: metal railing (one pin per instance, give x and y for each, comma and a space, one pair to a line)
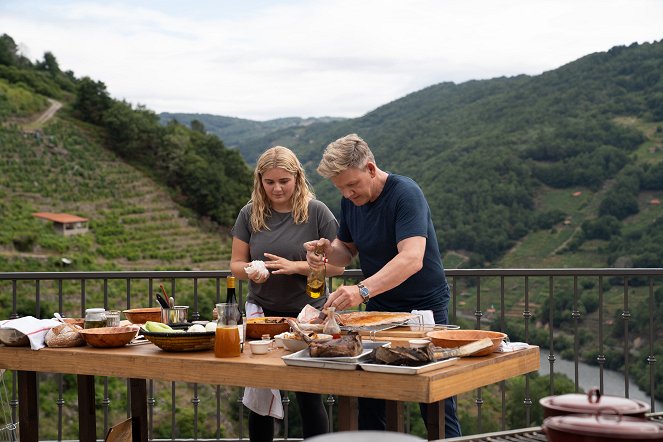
563, 310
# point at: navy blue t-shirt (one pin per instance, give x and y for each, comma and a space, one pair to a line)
400, 212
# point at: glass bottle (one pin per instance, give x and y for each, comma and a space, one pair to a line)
315, 281
227, 339
331, 326
231, 298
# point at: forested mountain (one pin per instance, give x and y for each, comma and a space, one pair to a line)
239, 131
484, 151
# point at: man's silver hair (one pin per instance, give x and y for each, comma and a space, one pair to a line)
349, 152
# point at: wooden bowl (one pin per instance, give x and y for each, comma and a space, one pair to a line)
108, 337
268, 325
456, 338
74, 321
142, 315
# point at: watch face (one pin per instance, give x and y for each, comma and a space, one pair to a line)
363, 291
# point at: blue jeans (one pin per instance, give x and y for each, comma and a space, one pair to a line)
372, 414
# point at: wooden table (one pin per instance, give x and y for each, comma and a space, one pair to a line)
141, 362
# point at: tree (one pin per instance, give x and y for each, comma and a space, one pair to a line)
92, 100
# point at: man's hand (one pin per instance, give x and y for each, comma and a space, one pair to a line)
316, 260
345, 297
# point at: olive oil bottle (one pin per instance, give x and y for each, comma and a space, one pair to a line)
315, 282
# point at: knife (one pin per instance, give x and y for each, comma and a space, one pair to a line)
162, 302
463, 350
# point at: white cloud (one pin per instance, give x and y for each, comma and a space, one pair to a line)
267, 59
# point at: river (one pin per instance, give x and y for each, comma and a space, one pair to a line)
588, 377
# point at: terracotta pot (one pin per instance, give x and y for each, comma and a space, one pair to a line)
590, 403
601, 427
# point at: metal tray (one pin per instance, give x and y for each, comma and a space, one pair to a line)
303, 358
400, 369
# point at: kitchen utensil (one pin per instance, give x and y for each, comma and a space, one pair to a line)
162, 301
177, 314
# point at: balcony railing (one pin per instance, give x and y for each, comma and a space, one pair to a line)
608, 314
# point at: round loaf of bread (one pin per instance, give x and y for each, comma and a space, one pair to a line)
65, 335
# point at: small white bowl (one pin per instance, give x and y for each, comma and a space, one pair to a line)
418, 343
260, 347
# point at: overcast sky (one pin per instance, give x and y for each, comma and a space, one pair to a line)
311, 58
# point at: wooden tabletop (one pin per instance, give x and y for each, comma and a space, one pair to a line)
146, 361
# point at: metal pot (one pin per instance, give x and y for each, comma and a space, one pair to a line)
590, 403
601, 427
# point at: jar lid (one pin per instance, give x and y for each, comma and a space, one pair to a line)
95, 310
613, 426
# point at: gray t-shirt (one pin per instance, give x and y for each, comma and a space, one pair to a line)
284, 293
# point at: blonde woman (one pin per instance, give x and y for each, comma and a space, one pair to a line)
282, 215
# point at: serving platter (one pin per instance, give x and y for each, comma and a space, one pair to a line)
402, 369
303, 358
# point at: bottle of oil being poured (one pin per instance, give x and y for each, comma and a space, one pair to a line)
315, 282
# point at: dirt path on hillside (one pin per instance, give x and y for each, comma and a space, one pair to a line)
41, 119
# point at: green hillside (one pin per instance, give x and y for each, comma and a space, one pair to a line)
488, 153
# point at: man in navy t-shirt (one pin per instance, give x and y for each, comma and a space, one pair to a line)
386, 220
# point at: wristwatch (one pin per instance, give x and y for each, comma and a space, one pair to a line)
363, 291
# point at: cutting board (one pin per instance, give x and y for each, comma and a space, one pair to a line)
404, 332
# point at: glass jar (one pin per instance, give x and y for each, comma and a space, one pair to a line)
112, 318
95, 318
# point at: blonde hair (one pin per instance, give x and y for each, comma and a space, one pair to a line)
349, 152
282, 158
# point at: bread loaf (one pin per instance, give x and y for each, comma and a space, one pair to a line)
65, 335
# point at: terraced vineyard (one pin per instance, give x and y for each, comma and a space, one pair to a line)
134, 223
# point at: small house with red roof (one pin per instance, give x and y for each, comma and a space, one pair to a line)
64, 223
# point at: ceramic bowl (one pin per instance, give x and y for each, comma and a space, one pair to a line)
260, 347
108, 337
456, 338
292, 344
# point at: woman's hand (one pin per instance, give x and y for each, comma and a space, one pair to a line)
280, 266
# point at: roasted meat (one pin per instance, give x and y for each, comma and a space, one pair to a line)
345, 346
410, 357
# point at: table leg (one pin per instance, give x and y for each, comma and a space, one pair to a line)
435, 420
28, 412
139, 409
394, 414
87, 418
348, 409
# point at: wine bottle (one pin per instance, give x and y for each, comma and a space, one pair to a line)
231, 295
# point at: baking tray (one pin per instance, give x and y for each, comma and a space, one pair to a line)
302, 358
401, 369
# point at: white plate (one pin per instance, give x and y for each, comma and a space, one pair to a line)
303, 358
400, 369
